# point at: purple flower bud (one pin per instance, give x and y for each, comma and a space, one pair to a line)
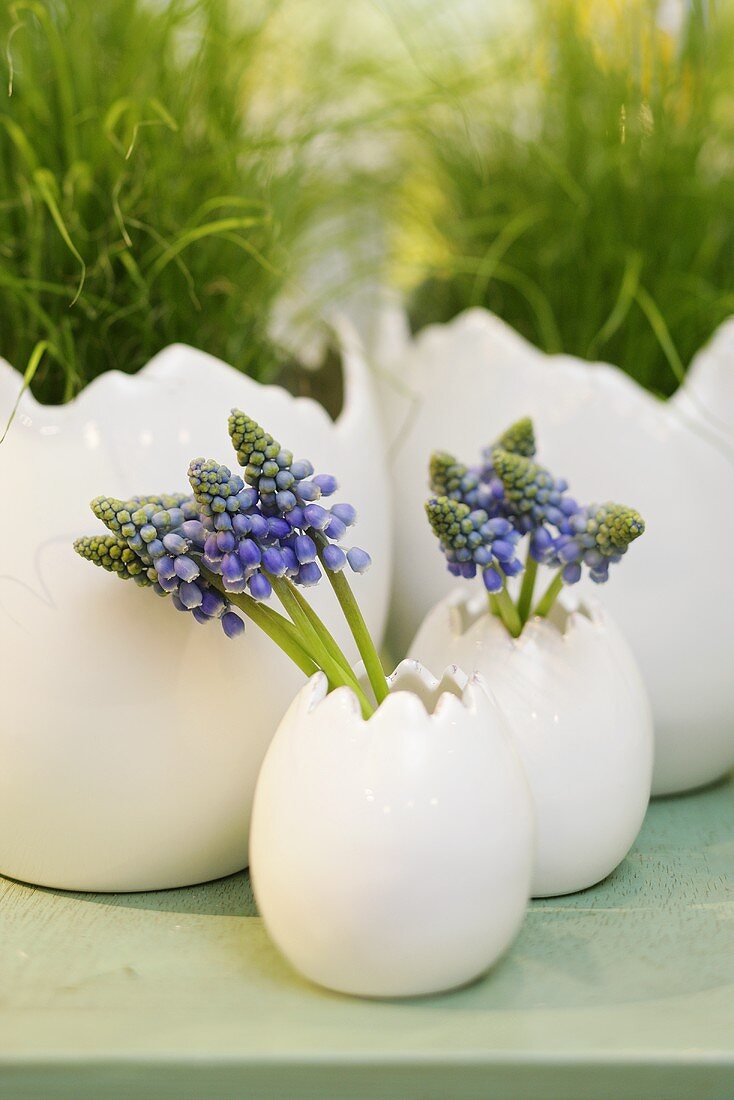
295, 516
492, 580
315, 516
200, 616
568, 551
284, 479
278, 528
164, 567
334, 558
542, 540
177, 603
468, 569
327, 483
308, 574
194, 530
155, 548
211, 549
305, 549
235, 586
289, 559
273, 561
307, 491
260, 587
211, 603
174, 543
226, 542
223, 522
285, 500
168, 584
241, 524
258, 526
571, 573
232, 624
186, 568
301, 468
498, 527
190, 594
232, 567
359, 560
335, 529
249, 552
503, 550
247, 498
512, 568
347, 513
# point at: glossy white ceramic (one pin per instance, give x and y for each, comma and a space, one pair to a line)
456, 386
392, 857
131, 737
576, 706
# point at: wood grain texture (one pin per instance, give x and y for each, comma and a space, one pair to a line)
625, 990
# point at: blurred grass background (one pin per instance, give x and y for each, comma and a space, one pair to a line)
212, 171
161, 165
581, 185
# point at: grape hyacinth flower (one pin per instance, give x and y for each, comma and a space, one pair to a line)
222, 551
481, 513
598, 536
471, 541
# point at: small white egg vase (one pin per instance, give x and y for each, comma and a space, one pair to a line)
579, 715
130, 736
392, 857
455, 387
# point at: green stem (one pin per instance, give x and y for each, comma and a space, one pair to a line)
549, 596
525, 600
327, 638
508, 613
493, 605
277, 628
357, 625
338, 673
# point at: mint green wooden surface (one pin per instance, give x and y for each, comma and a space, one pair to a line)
626, 990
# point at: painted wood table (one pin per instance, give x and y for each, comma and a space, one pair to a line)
626, 990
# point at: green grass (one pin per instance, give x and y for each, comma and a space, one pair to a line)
583, 187
157, 176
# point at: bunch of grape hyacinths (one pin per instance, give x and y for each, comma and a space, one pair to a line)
221, 551
480, 514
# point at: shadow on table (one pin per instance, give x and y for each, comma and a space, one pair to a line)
224, 897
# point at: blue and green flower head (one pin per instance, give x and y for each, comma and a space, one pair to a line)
531, 494
480, 513
233, 536
472, 540
112, 553
519, 439
224, 550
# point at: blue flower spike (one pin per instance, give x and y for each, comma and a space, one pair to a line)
480, 513
222, 551
518, 439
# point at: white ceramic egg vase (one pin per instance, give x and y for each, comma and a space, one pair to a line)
455, 387
130, 736
579, 715
391, 857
